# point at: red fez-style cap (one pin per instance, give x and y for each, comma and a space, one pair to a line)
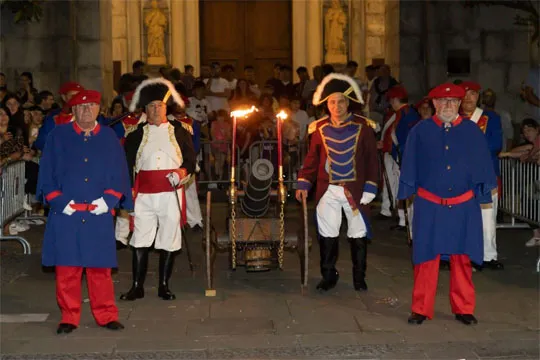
129, 95
470, 85
447, 90
425, 100
397, 92
69, 86
85, 97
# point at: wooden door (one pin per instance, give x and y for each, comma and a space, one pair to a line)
241, 33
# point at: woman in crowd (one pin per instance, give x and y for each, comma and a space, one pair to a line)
221, 134
528, 152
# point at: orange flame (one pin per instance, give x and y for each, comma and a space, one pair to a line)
243, 112
282, 115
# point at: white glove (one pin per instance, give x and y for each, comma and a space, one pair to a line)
367, 197
174, 179
101, 208
68, 210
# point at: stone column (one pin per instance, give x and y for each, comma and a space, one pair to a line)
119, 34
314, 39
134, 31
93, 61
299, 35
178, 34
375, 29
357, 23
192, 37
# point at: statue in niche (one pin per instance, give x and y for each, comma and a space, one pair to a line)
156, 23
335, 23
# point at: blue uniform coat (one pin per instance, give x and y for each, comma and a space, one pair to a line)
447, 162
409, 118
49, 124
490, 124
82, 168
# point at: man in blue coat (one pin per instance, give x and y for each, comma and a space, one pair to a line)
83, 176
60, 116
490, 124
447, 166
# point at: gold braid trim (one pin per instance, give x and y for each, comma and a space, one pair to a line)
141, 147
172, 139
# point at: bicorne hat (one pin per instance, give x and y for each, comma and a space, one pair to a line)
337, 83
152, 90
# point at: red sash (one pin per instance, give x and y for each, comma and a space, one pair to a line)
155, 182
349, 197
86, 207
429, 196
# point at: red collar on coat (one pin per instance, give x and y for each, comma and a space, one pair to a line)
79, 131
440, 123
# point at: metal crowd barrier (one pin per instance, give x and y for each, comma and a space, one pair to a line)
520, 196
207, 155
259, 149
12, 199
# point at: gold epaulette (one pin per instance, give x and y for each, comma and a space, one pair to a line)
371, 123
188, 127
313, 126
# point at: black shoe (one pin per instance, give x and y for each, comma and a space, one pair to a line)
166, 264
120, 245
416, 319
382, 217
493, 265
398, 228
329, 248
139, 268
359, 260
64, 328
136, 292
467, 319
444, 265
113, 325
325, 285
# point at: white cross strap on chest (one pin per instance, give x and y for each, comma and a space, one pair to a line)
388, 124
476, 115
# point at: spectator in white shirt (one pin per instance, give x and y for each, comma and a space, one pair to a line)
299, 116
217, 90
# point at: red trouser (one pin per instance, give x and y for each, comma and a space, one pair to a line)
462, 295
100, 290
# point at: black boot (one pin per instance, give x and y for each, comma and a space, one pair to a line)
359, 255
139, 268
329, 252
166, 263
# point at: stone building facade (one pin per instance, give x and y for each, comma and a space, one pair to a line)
80, 40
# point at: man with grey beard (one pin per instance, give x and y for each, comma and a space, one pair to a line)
447, 165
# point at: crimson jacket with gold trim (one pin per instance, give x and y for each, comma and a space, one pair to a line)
344, 155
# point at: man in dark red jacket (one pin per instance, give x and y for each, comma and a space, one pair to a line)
342, 159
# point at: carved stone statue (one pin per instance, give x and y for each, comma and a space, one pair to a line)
335, 23
156, 23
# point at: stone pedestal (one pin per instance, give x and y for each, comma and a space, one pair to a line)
156, 60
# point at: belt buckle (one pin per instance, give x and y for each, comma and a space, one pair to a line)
444, 202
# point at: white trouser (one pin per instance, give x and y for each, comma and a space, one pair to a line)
193, 207
489, 225
329, 215
157, 213
121, 231
392, 171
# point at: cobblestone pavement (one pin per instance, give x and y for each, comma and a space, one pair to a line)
264, 315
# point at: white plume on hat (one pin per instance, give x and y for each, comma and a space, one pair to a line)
156, 81
335, 76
